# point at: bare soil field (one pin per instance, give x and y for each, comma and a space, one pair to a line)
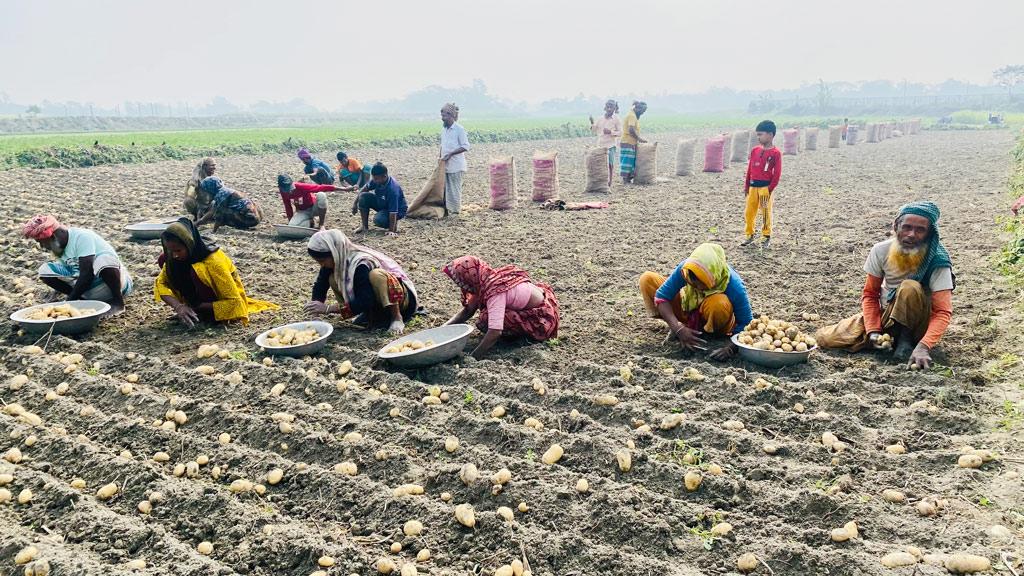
777, 485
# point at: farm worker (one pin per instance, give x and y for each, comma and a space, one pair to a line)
198, 280
197, 202
608, 129
369, 286
846, 127
352, 171
317, 169
383, 195
630, 138
1017, 205
763, 172
908, 292
87, 267
510, 304
309, 200
230, 207
703, 295
454, 145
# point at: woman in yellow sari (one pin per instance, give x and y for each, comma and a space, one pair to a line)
199, 281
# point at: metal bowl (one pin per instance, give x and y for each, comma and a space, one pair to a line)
146, 230
770, 359
65, 325
324, 329
449, 342
294, 232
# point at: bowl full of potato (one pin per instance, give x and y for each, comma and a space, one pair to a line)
773, 343
427, 347
295, 339
69, 317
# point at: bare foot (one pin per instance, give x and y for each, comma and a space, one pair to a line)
115, 309
359, 230
397, 327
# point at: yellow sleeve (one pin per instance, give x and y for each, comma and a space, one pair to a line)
230, 303
162, 286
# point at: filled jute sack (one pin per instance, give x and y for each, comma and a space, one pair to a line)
790, 141
714, 149
503, 183
752, 144
835, 136
429, 203
684, 156
740, 149
811, 139
545, 176
596, 167
726, 149
646, 162
872, 133
852, 132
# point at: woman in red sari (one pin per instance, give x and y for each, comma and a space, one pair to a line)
509, 302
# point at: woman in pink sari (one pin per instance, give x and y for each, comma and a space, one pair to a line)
509, 302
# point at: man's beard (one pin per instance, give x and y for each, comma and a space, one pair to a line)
906, 260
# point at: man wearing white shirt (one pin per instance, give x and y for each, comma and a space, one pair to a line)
454, 144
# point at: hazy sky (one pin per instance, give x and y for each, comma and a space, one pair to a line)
332, 52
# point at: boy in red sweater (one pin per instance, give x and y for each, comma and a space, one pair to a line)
763, 172
304, 203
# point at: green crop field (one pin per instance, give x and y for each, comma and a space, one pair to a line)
77, 149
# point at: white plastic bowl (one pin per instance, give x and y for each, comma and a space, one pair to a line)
148, 230
324, 329
771, 359
449, 342
64, 325
294, 232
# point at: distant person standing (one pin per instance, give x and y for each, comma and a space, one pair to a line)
317, 170
763, 172
630, 138
454, 145
608, 130
846, 127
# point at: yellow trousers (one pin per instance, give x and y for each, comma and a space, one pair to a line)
758, 199
715, 310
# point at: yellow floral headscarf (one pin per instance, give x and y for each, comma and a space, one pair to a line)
708, 264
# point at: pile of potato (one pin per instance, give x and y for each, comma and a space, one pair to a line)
291, 337
409, 346
59, 312
775, 336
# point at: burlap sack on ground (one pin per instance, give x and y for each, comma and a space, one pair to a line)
646, 162
852, 133
714, 149
684, 156
429, 203
503, 183
811, 139
835, 136
545, 175
740, 146
790, 141
595, 164
726, 149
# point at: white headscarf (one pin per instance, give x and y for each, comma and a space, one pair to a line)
347, 257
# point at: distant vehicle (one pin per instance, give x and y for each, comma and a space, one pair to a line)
995, 119
945, 120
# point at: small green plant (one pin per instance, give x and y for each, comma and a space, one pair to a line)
553, 342
242, 355
707, 539
92, 371
683, 454
984, 502
467, 398
1011, 416
530, 455
705, 522
941, 370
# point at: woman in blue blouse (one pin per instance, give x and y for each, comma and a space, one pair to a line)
703, 295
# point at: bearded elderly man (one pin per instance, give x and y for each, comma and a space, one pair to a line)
87, 267
908, 293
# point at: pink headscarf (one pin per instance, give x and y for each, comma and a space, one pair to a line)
40, 227
304, 154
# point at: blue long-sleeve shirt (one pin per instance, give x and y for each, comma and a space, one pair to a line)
324, 176
735, 291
